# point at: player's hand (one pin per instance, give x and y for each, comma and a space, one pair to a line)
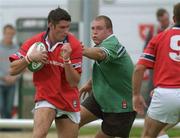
139, 104
151, 93
87, 88
66, 51
38, 56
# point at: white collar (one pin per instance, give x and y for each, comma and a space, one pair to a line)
50, 49
109, 37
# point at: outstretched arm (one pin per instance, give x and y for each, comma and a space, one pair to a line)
94, 53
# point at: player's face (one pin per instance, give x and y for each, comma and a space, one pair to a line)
164, 21
60, 30
8, 35
99, 31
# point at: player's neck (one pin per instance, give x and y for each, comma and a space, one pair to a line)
52, 41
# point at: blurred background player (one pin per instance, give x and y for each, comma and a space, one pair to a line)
165, 103
57, 95
7, 82
164, 22
111, 97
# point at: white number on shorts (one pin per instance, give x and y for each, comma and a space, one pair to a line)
174, 45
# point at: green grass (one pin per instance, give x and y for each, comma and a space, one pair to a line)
89, 130
135, 132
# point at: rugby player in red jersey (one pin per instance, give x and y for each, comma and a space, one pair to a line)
162, 55
57, 95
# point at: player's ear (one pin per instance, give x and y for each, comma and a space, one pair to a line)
174, 19
50, 25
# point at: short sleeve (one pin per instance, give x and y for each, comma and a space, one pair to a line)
21, 52
149, 55
76, 56
113, 51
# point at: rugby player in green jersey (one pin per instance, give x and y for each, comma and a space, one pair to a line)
111, 96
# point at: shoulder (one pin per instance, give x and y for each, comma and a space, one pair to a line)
72, 38
35, 38
159, 37
111, 42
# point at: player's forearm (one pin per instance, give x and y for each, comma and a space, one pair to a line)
18, 66
72, 76
137, 78
94, 53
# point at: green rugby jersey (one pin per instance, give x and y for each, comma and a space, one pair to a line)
112, 77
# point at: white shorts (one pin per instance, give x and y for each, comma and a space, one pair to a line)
165, 105
74, 116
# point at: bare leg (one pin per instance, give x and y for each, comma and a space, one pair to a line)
86, 116
165, 129
43, 118
66, 128
152, 128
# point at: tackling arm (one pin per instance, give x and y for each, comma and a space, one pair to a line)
94, 53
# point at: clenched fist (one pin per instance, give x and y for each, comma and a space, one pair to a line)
66, 51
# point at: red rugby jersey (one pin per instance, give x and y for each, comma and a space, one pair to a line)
163, 55
50, 82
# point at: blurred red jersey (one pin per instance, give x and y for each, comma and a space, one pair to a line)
163, 55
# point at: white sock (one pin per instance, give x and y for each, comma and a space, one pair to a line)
163, 136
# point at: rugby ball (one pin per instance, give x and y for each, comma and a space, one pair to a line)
35, 66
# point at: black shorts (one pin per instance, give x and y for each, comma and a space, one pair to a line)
113, 124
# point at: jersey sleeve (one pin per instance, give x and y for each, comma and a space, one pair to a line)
113, 51
21, 52
148, 56
76, 56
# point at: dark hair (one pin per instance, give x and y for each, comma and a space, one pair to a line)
107, 20
57, 15
176, 13
160, 12
8, 26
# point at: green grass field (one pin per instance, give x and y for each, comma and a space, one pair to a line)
85, 132
135, 132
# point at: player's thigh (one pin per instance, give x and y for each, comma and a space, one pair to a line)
66, 128
86, 116
118, 124
152, 127
90, 110
43, 118
168, 126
